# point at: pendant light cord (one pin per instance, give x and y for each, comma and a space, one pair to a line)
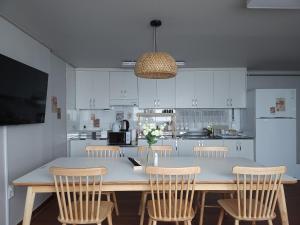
154, 40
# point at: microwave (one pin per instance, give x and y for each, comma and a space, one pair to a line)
119, 138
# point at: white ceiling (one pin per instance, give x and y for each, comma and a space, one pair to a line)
204, 33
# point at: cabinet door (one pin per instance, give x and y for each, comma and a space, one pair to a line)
84, 89
101, 90
237, 90
173, 143
210, 143
221, 89
166, 93
123, 85
147, 93
185, 94
185, 147
240, 148
204, 90
77, 148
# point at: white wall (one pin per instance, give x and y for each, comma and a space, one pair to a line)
30, 146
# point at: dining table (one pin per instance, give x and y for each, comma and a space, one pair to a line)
216, 175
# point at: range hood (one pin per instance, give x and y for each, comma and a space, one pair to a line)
273, 4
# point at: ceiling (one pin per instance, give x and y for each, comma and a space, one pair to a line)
204, 33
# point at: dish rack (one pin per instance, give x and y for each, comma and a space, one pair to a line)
158, 118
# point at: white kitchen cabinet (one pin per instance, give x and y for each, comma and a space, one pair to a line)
92, 89
240, 148
173, 143
194, 89
156, 93
238, 88
165, 93
77, 147
229, 89
123, 88
147, 93
143, 142
185, 146
185, 93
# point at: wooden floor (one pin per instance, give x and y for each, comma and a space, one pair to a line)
129, 202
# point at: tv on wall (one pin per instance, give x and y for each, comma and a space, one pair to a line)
23, 93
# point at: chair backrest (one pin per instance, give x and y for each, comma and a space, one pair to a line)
172, 191
210, 152
257, 190
78, 193
103, 151
161, 150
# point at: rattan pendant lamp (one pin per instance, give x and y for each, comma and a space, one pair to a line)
155, 65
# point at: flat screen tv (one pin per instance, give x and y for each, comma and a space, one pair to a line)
23, 93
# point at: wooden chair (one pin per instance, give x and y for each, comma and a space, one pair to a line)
78, 193
208, 152
104, 151
257, 193
163, 151
172, 194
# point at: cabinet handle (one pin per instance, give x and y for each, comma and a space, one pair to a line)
240, 147
231, 102
237, 147
193, 102
158, 102
196, 101
90, 103
154, 102
94, 103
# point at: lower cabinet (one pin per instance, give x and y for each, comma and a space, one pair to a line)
77, 147
185, 147
240, 148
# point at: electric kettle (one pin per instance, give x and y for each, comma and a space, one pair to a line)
124, 125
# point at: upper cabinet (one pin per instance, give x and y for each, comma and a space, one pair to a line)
194, 89
230, 89
156, 93
92, 89
123, 88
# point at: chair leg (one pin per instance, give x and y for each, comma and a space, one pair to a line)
221, 216
154, 222
150, 221
189, 222
142, 215
270, 222
109, 219
143, 207
142, 202
201, 218
115, 203
236, 222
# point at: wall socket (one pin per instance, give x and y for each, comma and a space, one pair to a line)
10, 191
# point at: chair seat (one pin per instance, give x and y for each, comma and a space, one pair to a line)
231, 207
106, 208
166, 217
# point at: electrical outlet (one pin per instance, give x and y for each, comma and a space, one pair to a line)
10, 191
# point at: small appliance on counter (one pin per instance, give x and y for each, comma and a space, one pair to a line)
119, 138
124, 125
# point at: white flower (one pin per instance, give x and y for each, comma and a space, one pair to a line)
145, 132
152, 126
153, 132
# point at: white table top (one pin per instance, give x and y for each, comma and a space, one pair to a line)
120, 170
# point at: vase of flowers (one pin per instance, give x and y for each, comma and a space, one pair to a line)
152, 132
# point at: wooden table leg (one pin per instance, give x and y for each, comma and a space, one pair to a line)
28, 206
282, 206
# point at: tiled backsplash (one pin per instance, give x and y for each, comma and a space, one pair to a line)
186, 119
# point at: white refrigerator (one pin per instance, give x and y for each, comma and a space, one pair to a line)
275, 127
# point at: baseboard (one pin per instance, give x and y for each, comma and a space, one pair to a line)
39, 209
